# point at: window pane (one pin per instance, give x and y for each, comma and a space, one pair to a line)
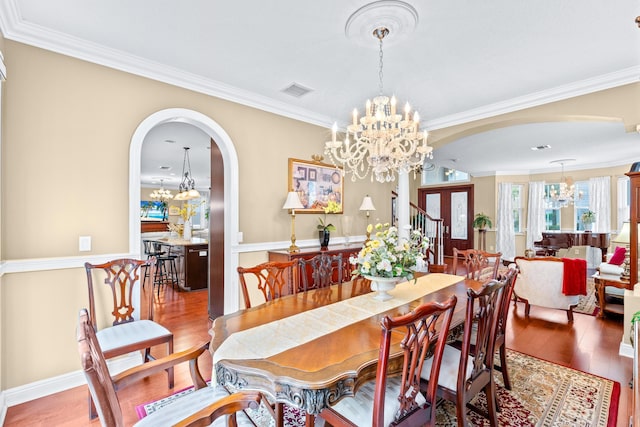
516, 201
552, 219
581, 203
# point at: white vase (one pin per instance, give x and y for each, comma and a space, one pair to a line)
382, 285
186, 234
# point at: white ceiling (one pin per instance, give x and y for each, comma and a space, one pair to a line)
464, 60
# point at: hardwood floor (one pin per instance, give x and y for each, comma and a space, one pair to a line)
589, 344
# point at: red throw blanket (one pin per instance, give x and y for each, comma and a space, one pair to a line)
574, 280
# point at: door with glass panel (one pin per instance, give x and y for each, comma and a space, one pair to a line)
454, 204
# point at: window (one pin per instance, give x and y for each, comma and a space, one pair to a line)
580, 203
516, 202
551, 214
434, 174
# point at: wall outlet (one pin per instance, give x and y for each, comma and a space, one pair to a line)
84, 243
240, 236
491, 247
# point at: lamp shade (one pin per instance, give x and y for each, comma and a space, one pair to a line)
625, 233
367, 204
293, 201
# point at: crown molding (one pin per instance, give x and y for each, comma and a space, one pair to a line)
16, 29
558, 93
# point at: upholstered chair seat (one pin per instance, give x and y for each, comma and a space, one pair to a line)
189, 404
359, 408
130, 333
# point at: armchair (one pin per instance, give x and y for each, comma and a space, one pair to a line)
539, 282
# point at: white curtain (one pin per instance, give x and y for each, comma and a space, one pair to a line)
623, 201
505, 236
600, 203
535, 213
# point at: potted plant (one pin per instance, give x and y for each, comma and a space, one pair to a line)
325, 228
588, 218
482, 221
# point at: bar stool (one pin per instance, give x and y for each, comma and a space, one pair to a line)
151, 249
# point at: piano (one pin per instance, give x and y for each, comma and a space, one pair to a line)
554, 240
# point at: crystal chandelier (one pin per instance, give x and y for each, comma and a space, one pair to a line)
564, 195
187, 189
384, 142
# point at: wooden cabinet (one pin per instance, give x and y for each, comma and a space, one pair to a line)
346, 251
153, 226
193, 265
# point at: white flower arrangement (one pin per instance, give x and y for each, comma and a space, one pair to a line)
385, 256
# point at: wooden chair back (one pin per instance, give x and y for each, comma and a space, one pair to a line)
483, 307
273, 279
507, 295
121, 276
321, 271
479, 265
424, 336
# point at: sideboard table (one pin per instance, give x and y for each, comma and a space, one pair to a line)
615, 304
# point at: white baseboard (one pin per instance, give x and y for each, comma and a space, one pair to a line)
625, 350
46, 387
3, 408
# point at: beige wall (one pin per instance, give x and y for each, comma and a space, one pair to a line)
66, 139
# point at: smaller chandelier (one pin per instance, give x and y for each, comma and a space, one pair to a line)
564, 195
161, 194
187, 189
384, 142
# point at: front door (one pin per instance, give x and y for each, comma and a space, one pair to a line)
454, 204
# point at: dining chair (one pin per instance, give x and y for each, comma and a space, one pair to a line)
396, 400
320, 271
206, 405
120, 327
479, 265
273, 279
507, 295
465, 373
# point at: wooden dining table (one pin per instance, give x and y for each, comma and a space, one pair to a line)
311, 349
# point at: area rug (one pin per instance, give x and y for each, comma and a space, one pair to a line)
587, 303
543, 394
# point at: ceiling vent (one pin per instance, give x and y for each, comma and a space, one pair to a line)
296, 90
541, 147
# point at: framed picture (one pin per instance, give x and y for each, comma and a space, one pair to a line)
316, 184
174, 210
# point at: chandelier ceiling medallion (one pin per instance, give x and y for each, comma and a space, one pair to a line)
382, 141
187, 189
563, 195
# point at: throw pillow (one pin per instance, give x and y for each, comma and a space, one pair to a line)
618, 256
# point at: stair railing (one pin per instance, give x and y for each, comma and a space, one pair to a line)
430, 227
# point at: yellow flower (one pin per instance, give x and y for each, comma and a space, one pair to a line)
375, 244
369, 228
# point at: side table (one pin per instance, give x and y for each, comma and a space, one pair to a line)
601, 282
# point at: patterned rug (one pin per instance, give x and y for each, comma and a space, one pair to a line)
543, 394
587, 303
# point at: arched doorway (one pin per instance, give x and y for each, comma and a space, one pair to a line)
223, 207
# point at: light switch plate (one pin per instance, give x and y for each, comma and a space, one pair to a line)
84, 243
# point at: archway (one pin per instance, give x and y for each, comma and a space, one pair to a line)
228, 215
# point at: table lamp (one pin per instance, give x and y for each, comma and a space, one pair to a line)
367, 205
293, 203
625, 237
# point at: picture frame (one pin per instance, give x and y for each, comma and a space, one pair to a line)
174, 210
317, 184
